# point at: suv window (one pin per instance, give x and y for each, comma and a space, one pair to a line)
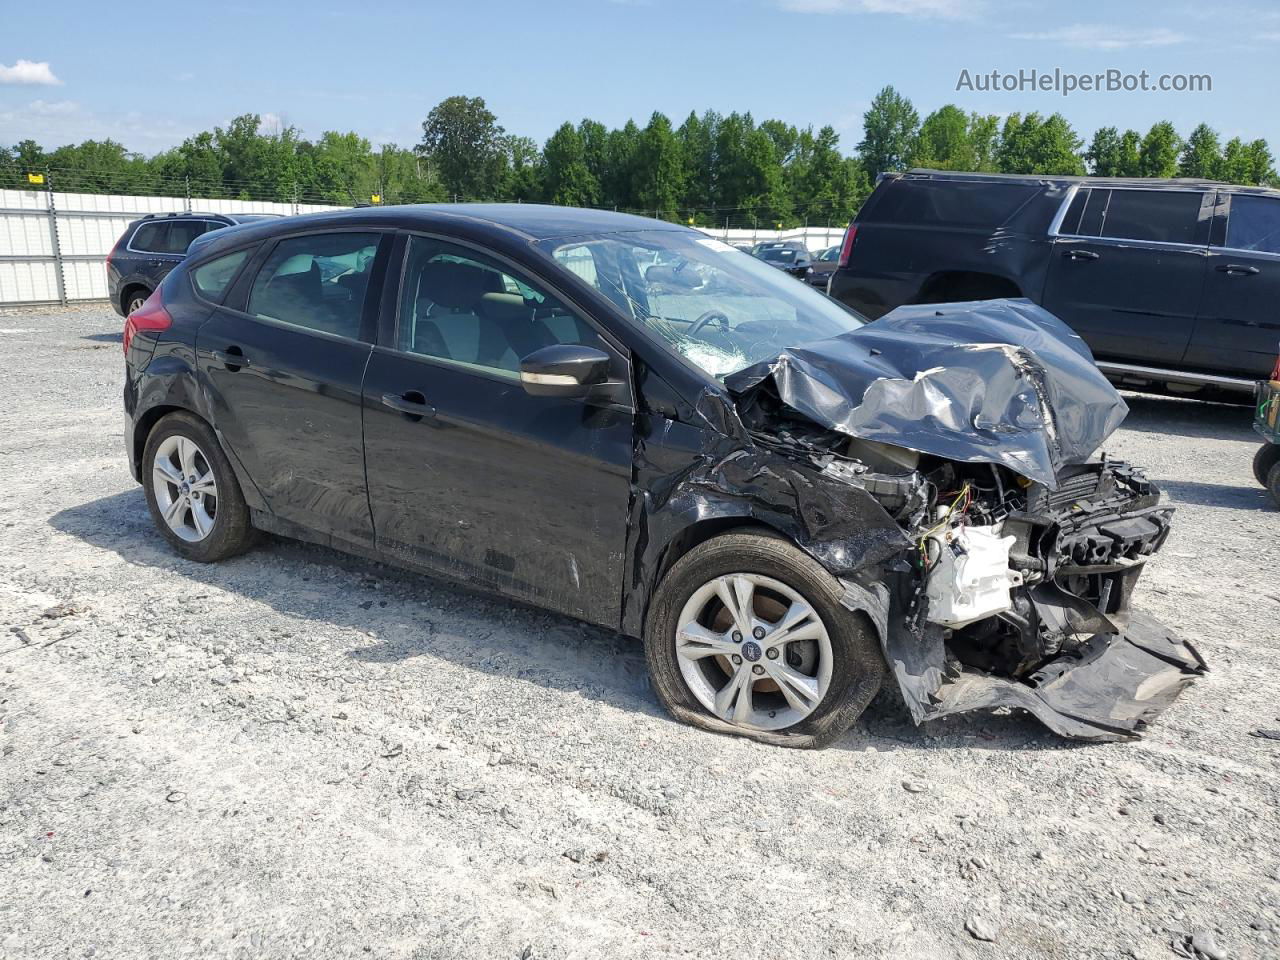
953, 202
461, 306
151, 238
1161, 216
1254, 224
182, 232
318, 282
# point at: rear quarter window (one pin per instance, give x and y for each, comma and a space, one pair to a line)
212, 279
956, 203
150, 238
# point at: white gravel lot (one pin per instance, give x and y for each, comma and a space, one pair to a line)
299, 754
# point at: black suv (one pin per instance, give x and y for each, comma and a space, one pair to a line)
1172, 283
153, 246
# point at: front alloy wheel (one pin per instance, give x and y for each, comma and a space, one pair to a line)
749, 635
753, 651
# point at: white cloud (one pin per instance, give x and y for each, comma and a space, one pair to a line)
52, 108
1097, 36
29, 72
937, 9
52, 123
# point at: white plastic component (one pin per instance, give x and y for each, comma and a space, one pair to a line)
970, 578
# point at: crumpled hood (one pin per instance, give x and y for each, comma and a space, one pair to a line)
992, 381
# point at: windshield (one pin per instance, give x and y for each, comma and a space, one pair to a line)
779, 254
720, 308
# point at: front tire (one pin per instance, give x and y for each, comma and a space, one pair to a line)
746, 635
192, 491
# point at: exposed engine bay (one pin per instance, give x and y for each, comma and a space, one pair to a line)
1012, 586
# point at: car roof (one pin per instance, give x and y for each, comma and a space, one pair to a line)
528, 221
1149, 183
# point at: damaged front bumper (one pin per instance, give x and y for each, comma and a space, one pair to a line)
1014, 590
1110, 688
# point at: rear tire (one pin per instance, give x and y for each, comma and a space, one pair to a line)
1268, 456
204, 519
691, 649
134, 299
1273, 483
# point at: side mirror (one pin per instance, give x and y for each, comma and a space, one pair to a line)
563, 370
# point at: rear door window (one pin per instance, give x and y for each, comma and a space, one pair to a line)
1254, 224
1156, 216
181, 233
317, 281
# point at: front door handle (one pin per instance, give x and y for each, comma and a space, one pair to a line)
411, 403
232, 358
1238, 269
1080, 255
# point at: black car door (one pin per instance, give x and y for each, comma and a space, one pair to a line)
283, 360
1127, 270
1238, 330
469, 475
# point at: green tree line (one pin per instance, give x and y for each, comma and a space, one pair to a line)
710, 169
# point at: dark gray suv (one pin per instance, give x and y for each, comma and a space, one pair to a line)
154, 245
1172, 283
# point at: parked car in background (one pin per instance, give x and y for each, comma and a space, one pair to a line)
154, 245
822, 266
789, 255
1172, 283
633, 424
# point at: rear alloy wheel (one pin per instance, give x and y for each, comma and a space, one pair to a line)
135, 300
746, 634
192, 492
185, 488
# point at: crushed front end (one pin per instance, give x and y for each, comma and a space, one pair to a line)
1021, 551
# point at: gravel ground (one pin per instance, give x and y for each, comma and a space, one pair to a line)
299, 754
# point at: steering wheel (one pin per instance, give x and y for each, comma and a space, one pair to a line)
708, 317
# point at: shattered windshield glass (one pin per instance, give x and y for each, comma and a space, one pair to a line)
720, 308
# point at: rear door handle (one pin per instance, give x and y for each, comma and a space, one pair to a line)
411, 403
232, 358
1238, 269
1081, 255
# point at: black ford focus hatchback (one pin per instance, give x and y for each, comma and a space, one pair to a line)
641, 427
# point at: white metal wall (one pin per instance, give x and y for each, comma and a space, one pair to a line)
59, 255
52, 256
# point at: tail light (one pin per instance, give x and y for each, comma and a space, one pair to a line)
151, 316
846, 248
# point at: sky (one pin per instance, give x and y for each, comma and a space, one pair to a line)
161, 72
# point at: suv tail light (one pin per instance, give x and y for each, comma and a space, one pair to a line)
151, 316
846, 248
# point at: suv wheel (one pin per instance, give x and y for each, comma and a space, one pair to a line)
1268, 456
134, 299
192, 492
746, 635
1273, 483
